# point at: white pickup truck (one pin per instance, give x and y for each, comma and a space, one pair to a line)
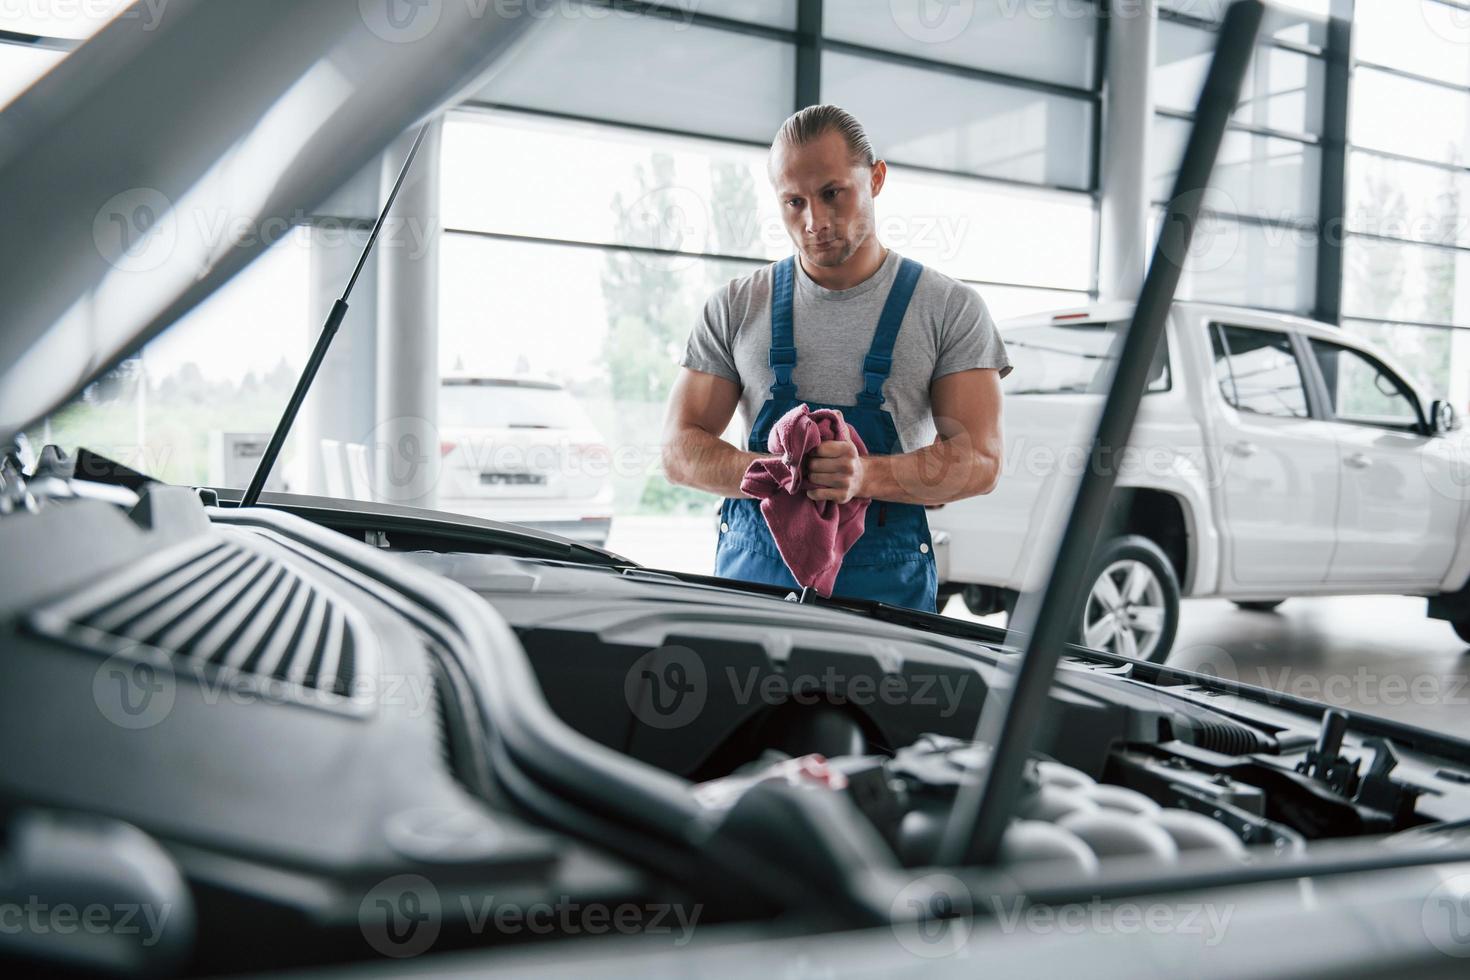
1273, 457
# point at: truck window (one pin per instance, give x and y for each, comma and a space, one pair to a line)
1257, 371
1065, 358
1363, 391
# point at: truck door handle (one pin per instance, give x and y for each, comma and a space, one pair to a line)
1243, 449
1358, 461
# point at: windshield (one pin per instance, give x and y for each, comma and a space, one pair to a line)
1064, 358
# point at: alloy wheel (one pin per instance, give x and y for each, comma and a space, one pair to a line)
1125, 611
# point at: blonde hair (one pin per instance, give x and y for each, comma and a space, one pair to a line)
817, 120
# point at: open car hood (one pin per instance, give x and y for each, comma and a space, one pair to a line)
211, 117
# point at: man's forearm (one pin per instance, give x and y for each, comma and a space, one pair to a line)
937, 474
695, 458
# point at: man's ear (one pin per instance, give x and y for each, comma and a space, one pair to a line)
880, 174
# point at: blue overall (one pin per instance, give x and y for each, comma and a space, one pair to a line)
893, 561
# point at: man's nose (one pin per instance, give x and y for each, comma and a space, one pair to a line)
816, 222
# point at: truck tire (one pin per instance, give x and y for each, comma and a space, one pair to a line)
1462, 629
1132, 604
947, 591
1258, 605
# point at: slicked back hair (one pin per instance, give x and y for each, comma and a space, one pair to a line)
816, 121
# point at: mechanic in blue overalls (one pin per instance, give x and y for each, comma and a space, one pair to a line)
909, 356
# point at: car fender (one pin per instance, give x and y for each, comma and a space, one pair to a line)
1184, 477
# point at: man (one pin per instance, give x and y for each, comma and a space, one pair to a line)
910, 356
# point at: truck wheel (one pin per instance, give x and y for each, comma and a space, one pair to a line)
1258, 605
1132, 606
947, 591
1462, 629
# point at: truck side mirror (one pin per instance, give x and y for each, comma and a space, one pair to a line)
1441, 417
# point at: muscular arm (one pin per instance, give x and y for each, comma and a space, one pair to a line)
700, 407
963, 462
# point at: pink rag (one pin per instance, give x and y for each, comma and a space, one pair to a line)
811, 535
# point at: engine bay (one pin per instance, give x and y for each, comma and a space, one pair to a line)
255, 719
1132, 768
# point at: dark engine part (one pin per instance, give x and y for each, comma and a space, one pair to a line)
1065, 815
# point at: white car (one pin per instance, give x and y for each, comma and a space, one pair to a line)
1273, 457
524, 451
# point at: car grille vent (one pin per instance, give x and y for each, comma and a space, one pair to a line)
217, 606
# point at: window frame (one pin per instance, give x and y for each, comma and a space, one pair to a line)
1419, 427
1311, 393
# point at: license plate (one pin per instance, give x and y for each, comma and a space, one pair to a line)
513, 479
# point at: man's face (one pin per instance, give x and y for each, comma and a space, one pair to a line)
826, 198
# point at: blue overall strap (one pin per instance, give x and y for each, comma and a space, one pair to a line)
783, 334
880, 356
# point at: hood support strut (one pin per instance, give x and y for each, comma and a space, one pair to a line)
324, 340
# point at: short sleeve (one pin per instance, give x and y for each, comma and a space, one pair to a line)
968, 338
708, 348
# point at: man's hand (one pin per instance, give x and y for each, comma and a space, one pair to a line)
837, 468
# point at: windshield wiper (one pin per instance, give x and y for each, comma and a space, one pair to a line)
324, 341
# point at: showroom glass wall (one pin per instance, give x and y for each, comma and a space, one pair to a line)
1407, 278
587, 221
1258, 245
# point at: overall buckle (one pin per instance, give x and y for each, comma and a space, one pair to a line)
879, 364
875, 372
783, 359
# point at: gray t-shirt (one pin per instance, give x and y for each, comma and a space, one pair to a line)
946, 329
